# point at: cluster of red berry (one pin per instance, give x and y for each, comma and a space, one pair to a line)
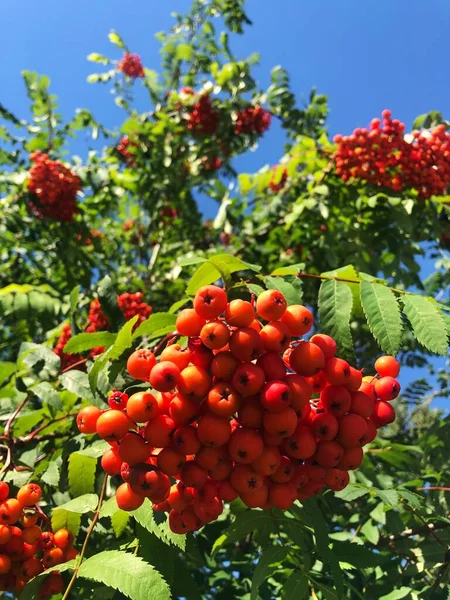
123, 148
242, 410
383, 157
55, 187
211, 163
253, 119
132, 305
131, 65
203, 118
276, 183
129, 304
67, 360
26, 549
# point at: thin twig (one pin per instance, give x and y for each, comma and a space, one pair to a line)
33, 434
70, 367
86, 539
427, 525
303, 275
433, 488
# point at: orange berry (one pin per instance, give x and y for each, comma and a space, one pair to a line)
223, 365
178, 355
142, 407
213, 430
127, 499
275, 336
298, 319
29, 494
239, 313
215, 335
189, 323
210, 301
307, 359
271, 305
194, 382
164, 376
223, 400
140, 364
112, 425
63, 538
87, 419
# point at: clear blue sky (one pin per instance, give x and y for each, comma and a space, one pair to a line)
366, 56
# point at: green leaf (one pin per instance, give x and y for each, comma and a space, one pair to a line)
77, 382
122, 343
335, 309
81, 505
244, 523
87, 341
319, 525
107, 296
144, 516
81, 474
269, 560
389, 497
98, 58
73, 299
383, 315
290, 270
184, 52
46, 392
296, 587
371, 531
349, 272
127, 573
411, 498
156, 322
119, 521
351, 492
207, 273
401, 592
52, 474
115, 39
109, 508
65, 519
220, 266
292, 290
356, 555
6, 370
427, 323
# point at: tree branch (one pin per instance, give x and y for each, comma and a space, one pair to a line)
86, 540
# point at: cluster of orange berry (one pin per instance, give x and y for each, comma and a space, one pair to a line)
55, 187
245, 409
130, 305
383, 157
26, 548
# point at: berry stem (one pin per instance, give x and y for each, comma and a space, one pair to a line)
34, 433
86, 539
421, 518
165, 340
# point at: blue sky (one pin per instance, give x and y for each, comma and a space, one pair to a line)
366, 56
